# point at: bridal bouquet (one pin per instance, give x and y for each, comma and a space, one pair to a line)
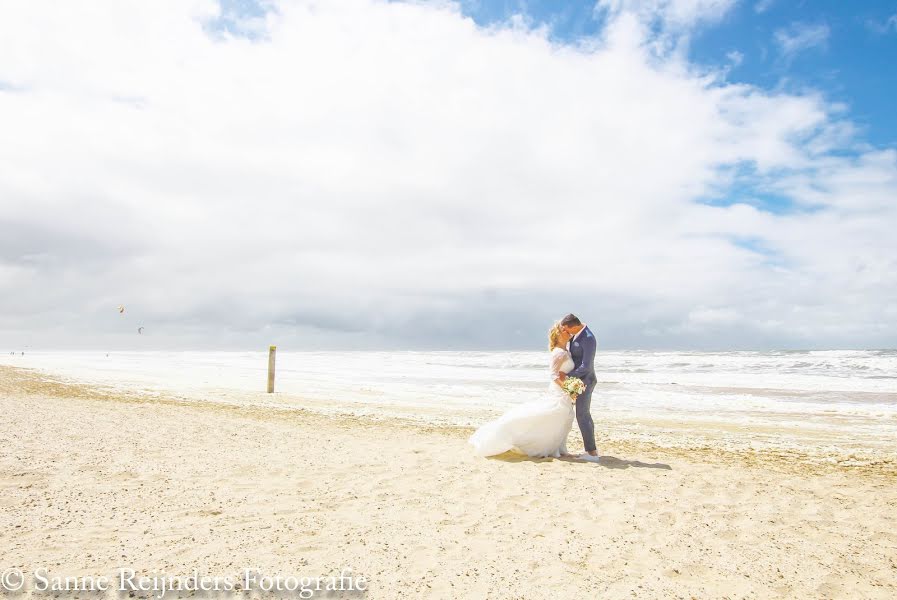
574, 387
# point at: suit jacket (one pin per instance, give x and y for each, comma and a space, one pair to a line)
583, 349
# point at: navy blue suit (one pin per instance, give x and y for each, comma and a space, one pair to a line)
583, 349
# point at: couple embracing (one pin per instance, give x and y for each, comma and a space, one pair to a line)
540, 428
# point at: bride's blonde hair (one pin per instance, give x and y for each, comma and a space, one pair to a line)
553, 335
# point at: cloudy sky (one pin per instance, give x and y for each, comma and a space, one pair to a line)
367, 174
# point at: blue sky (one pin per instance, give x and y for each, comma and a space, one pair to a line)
846, 51
853, 60
849, 51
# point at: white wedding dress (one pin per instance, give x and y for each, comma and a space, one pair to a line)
537, 428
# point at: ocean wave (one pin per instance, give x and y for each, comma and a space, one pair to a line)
844, 395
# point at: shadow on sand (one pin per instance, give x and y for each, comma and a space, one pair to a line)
609, 462
612, 462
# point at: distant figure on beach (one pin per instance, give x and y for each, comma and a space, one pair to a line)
540, 428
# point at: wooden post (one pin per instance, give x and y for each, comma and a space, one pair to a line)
271, 352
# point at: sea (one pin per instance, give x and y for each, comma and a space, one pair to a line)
834, 406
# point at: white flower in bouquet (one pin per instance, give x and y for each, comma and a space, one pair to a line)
573, 386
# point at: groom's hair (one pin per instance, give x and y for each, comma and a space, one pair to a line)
571, 320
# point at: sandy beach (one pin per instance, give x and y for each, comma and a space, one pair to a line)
93, 481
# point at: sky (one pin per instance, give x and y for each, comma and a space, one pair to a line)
361, 174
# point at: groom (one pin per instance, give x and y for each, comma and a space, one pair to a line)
582, 348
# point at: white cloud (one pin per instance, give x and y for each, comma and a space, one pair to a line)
674, 13
661, 26
761, 6
369, 173
889, 25
800, 37
735, 57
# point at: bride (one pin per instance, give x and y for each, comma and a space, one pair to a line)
538, 428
